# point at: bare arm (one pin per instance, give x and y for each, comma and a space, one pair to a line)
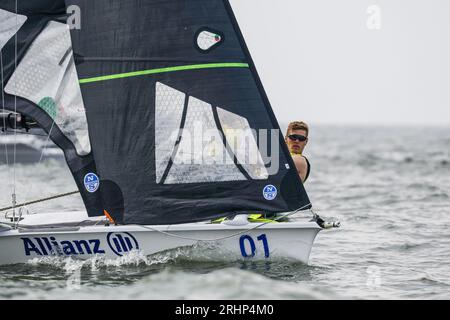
301, 165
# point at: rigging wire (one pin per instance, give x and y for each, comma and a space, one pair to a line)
15, 110
4, 111
39, 162
232, 235
15, 132
46, 143
3, 108
42, 200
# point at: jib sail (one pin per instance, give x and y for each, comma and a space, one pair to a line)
39, 79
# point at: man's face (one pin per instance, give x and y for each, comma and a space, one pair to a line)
295, 146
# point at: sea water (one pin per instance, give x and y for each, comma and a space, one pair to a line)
389, 187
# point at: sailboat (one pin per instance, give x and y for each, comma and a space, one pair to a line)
129, 95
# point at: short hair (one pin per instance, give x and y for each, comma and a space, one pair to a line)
297, 125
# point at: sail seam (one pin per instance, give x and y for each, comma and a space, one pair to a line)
164, 70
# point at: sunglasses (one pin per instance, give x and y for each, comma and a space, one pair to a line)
297, 137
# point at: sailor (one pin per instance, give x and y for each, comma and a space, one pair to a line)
296, 140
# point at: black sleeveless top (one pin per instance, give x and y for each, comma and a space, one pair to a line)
309, 168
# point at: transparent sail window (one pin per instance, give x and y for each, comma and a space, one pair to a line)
47, 76
202, 156
168, 113
207, 40
241, 140
10, 23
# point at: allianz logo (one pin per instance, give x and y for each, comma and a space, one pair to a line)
122, 242
119, 243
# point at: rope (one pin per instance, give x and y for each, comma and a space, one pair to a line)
230, 236
40, 200
4, 120
42, 151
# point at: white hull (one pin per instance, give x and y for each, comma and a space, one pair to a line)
253, 241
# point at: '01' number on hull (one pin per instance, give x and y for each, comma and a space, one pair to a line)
246, 242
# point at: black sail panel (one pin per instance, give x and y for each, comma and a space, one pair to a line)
157, 77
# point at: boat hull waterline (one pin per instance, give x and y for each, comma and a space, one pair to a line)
287, 240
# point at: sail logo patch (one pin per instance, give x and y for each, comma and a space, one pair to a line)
91, 182
122, 242
270, 192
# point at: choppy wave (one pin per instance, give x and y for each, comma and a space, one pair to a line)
175, 284
174, 274
389, 187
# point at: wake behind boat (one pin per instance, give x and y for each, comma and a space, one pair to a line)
164, 124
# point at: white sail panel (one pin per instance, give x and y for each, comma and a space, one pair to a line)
10, 23
201, 156
242, 142
169, 107
47, 77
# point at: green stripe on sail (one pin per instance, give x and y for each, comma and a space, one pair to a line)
165, 70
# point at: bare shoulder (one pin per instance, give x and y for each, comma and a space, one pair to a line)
299, 161
301, 164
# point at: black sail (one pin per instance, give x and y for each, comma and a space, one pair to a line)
175, 113
39, 80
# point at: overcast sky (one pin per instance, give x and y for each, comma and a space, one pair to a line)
339, 61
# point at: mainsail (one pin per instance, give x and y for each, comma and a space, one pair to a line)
158, 107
